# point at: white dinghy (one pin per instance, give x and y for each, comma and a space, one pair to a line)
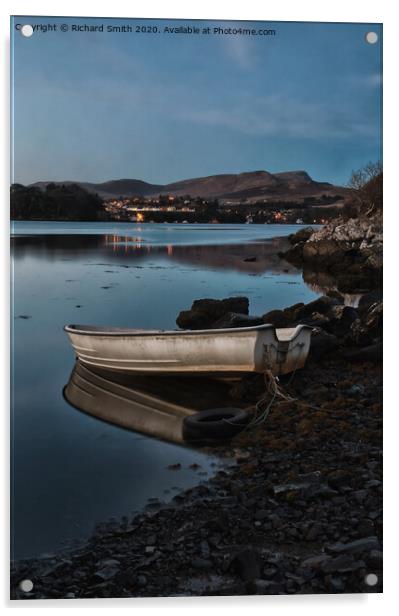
208, 351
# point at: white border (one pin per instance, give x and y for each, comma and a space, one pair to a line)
289, 10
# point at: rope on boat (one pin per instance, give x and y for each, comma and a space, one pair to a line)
274, 389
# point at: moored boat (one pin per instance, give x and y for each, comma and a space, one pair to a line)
209, 351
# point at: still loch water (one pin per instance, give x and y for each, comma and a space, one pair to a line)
69, 469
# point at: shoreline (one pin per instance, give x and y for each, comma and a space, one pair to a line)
299, 512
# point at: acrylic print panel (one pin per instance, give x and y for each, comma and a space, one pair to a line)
196, 319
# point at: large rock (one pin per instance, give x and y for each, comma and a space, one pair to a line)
293, 255
325, 253
372, 353
284, 318
301, 236
351, 250
322, 343
341, 320
234, 319
367, 329
370, 298
278, 318
322, 305
315, 313
204, 313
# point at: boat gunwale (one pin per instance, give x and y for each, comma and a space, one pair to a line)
103, 331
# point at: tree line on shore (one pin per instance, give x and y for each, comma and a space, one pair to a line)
55, 202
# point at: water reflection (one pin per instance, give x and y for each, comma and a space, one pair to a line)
254, 257
155, 406
323, 283
128, 405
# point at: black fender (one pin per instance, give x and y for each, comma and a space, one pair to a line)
214, 424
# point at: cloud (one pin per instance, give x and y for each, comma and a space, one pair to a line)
373, 81
239, 50
280, 116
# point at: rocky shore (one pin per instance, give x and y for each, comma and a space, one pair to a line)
300, 509
350, 250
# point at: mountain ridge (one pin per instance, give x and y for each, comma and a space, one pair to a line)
249, 186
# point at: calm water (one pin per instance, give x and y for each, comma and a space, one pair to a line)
69, 469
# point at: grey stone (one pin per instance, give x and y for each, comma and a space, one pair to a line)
201, 563
141, 580
106, 573
314, 531
354, 547
205, 312
337, 584
234, 319
375, 558
246, 562
360, 495
339, 563
315, 562
261, 515
266, 587
270, 572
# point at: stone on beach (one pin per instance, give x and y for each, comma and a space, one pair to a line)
205, 312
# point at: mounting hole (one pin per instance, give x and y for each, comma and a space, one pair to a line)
26, 585
27, 30
371, 579
371, 38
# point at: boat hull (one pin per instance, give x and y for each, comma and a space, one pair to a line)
223, 351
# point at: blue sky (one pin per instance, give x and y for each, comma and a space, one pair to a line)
162, 107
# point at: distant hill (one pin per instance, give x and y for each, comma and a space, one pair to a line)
251, 187
113, 188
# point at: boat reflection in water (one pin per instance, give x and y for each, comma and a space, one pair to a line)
155, 406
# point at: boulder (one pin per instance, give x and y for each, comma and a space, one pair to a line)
205, 312
341, 320
350, 250
293, 255
372, 353
322, 304
370, 298
316, 319
247, 564
234, 319
367, 329
316, 313
322, 343
325, 253
278, 318
301, 236
293, 313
